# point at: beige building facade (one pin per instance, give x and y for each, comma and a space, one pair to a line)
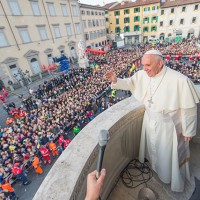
94, 25
33, 32
179, 19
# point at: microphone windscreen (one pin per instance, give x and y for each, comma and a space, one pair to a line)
103, 137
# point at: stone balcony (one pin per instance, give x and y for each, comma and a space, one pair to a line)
67, 178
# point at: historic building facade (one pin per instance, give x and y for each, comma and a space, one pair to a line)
137, 21
140, 20
179, 19
33, 32
94, 25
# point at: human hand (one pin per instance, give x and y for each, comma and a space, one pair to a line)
94, 185
187, 139
111, 76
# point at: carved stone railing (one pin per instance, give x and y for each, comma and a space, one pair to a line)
67, 178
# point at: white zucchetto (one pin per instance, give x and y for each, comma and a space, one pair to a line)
154, 52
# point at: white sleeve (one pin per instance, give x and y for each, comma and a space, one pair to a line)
189, 121
123, 84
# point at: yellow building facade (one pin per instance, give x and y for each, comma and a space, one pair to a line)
137, 21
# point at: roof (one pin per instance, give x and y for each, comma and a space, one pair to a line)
128, 4
91, 6
170, 3
108, 5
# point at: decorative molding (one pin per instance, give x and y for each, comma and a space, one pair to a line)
31, 53
71, 43
10, 60
48, 50
40, 25
61, 47
22, 26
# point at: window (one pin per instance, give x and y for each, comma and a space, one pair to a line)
56, 31
181, 21
126, 20
126, 11
92, 13
194, 20
25, 37
136, 10
68, 29
172, 10
136, 18
84, 24
117, 30
3, 39
89, 23
14, 6
86, 36
93, 23
78, 28
51, 9
42, 32
107, 30
154, 19
100, 13
162, 12
117, 13
64, 9
35, 8
117, 21
146, 9
107, 20
106, 12
146, 20
127, 29
145, 29
154, 28
171, 22
82, 12
161, 24
96, 13
91, 35
88, 12
183, 9
196, 7
136, 28
74, 11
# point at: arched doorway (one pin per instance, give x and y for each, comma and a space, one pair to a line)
35, 66
73, 53
162, 36
190, 33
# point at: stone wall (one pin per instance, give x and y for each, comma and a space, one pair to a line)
67, 178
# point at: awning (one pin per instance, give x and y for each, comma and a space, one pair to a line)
95, 51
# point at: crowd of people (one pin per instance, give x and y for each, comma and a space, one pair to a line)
68, 102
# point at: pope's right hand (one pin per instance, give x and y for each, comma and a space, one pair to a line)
111, 76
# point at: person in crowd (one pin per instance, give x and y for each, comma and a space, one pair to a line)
170, 118
46, 154
36, 165
19, 174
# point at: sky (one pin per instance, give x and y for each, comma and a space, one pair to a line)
98, 2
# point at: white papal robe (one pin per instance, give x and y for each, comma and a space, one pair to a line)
172, 114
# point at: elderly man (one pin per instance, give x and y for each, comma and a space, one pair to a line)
170, 117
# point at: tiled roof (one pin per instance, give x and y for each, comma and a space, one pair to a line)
128, 4
169, 3
108, 5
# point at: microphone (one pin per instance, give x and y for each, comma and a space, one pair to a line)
103, 139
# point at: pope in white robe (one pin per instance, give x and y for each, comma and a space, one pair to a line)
170, 118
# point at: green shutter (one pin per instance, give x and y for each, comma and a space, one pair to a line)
148, 19
143, 20
138, 18
138, 9
156, 18
157, 7
128, 28
148, 8
134, 19
134, 28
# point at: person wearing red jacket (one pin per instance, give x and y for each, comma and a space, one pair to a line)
66, 142
18, 172
46, 154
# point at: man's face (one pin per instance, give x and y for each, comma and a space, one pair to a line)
151, 65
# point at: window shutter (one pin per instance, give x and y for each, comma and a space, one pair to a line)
138, 9
148, 19
128, 28
156, 18
138, 18
148, 8
134, 19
